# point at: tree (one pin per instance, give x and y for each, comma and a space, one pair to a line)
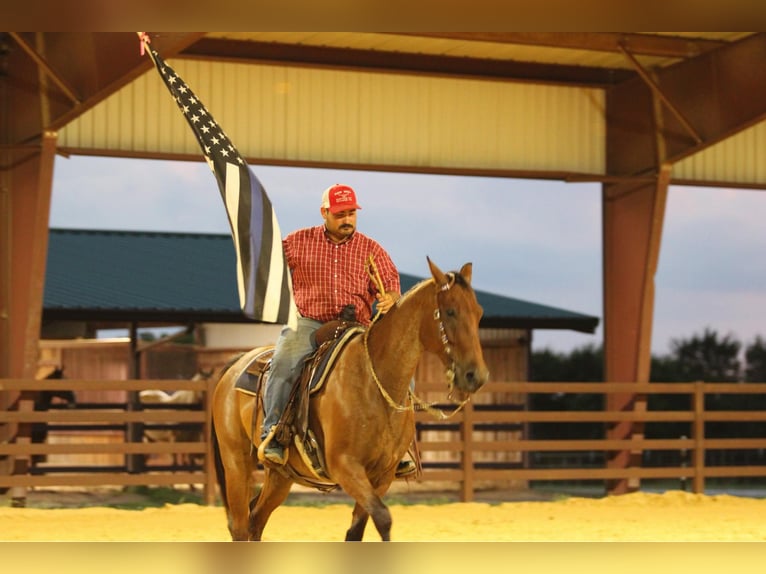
755, 360
584, 364
706, 358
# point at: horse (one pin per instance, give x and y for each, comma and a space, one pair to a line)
43, 401
363, 414
180, 397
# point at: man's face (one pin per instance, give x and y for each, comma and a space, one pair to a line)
340, 225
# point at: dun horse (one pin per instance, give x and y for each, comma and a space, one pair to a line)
362, 416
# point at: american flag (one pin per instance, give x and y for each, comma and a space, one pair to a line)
263, 278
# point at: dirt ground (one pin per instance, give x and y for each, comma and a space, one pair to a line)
671, 516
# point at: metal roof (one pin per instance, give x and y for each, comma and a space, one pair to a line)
104, 276
75, 78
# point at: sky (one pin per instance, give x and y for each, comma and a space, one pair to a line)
534, 240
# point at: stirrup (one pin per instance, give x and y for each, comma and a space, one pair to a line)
275, 453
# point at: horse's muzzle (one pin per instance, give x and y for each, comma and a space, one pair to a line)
471, 379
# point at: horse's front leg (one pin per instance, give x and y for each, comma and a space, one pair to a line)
274, 492
368, 504
358, 523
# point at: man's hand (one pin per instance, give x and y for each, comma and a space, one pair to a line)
386, 301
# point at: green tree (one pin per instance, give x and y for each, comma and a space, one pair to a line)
755, 361
584, 364
707, 358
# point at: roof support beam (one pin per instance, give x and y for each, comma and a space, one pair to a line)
720, 94
241, 51
644, 44
717, 94
46, 68
660, 94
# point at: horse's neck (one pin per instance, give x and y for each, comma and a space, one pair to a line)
394, 343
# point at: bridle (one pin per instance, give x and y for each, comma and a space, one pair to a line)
414, 401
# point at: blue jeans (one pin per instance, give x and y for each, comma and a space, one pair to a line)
286, 364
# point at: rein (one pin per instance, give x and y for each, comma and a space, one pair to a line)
414, 400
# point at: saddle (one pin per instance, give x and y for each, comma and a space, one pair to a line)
292, 428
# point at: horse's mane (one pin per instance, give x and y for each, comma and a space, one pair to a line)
453, 276
414, 289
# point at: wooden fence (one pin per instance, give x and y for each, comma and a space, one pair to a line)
479, 445
101, 443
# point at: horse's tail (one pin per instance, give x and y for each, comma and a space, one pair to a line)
220, 474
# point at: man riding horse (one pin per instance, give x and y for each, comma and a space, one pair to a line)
328, 266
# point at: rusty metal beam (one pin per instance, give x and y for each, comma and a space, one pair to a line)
720, 93
643, 139
646, 76
46, 67
421, 64
643, 44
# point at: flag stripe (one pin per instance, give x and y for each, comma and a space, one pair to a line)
260, 244
232, 208
274, 287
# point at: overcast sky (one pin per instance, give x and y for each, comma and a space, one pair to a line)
533, 240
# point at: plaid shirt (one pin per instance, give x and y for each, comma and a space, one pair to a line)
328, 276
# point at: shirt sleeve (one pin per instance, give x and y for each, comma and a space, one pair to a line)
287, 246
388, 272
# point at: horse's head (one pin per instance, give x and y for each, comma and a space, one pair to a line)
457, 318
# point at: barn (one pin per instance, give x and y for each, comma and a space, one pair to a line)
635, 112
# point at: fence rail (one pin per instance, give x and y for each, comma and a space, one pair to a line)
481, 443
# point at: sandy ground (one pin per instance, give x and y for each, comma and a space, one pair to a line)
671, 516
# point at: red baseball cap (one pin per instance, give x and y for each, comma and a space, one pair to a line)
339, 198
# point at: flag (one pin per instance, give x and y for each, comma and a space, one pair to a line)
263, 278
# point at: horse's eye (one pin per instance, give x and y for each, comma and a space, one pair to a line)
451, 312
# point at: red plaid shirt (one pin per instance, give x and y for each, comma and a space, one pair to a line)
328, 276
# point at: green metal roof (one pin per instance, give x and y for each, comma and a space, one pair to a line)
95, 275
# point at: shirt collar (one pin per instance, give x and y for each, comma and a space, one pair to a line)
329, 240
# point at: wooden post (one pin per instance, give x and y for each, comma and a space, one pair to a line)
210, 474
466, 427
699, 438
134, 431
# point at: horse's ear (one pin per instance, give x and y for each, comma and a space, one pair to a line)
437, 274
466, 271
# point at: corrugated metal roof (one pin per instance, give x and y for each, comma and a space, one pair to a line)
148, 276
275, 113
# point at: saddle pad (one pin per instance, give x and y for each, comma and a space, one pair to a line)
328, 357
247, 382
